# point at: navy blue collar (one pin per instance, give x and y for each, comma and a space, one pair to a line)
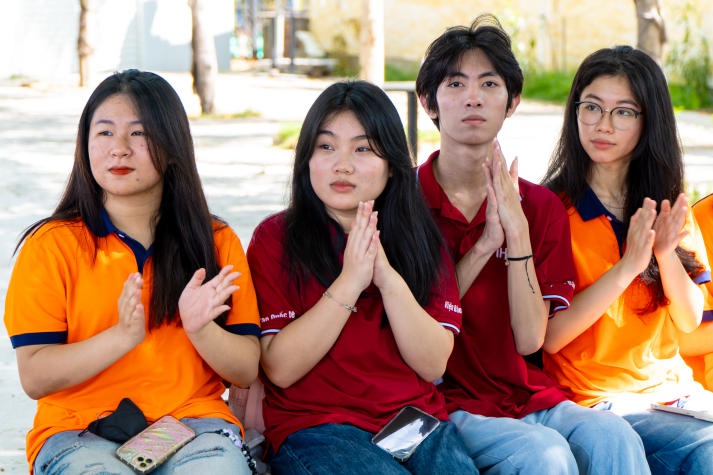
589, 207
140, 253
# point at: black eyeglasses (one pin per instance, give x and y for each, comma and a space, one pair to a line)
622, 118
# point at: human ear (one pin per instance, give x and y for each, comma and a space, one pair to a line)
513, 105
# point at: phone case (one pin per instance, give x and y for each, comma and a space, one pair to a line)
154, 445
402, 435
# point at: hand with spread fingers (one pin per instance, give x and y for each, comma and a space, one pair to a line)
201, 303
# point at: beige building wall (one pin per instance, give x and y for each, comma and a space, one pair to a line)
556, 34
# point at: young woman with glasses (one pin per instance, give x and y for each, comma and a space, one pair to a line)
638, 255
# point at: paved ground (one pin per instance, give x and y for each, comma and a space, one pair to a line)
245, 177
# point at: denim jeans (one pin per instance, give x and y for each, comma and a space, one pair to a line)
330, 449
566, 439
69, 454
674, 444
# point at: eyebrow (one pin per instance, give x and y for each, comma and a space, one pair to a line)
331, 134
459, 74
630, 102
111, 122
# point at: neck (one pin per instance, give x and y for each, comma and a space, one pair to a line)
459, 171
137, 219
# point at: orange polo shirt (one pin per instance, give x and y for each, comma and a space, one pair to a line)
623, 352
703, 365
59, 292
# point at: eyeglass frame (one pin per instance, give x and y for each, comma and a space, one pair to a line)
602, 110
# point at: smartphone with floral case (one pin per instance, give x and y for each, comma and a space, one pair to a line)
154, 445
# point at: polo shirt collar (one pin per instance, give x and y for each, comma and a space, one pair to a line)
437, 198
589, 207
142, 254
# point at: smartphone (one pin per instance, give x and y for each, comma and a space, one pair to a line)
154, 445
402, 435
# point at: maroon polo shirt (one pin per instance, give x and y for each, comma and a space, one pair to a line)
363, 380
486, 375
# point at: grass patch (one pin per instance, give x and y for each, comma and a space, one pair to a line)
287, 136
547, 86
246, 114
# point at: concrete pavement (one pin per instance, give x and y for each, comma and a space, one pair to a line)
244, 176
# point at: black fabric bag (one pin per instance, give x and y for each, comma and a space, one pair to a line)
122, 424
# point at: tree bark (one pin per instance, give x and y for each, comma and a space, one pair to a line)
204, 66
371, 51
85, 51
651, 29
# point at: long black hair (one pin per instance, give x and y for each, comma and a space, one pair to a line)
408, 233
656, 164
183, 239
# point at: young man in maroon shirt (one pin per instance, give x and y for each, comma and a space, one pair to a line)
511, 244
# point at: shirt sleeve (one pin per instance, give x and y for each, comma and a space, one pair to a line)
552, 250
35, 303
445, 306
274, 290
243, 317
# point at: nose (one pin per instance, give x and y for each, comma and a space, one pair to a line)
120, 147
344, 164
474, 98
606, 122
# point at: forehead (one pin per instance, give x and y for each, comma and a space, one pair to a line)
610, 90
343, 119
473, 62
116, 105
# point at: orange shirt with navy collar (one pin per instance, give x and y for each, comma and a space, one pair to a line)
60, 292
485, 374
702, 365
624, 351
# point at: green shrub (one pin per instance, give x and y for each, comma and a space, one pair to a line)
548, 86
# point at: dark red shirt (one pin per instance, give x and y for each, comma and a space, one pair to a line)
486, 375
363, 380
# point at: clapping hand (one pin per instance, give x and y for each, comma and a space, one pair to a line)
200, 303
132, 318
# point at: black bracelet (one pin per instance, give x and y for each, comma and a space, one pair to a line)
523, 258
527, 273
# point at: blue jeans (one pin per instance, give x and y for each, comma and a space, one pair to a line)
330, 449
68, 453
566, 439
674, 444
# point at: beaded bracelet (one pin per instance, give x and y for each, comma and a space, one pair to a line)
351, 308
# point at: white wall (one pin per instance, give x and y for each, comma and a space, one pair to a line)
38, 38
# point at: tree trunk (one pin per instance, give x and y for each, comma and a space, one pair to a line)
651, 29
85, 51
204, 67
371, 50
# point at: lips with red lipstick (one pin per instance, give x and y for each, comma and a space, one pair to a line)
120, 170
341, 186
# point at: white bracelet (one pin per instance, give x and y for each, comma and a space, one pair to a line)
351, 308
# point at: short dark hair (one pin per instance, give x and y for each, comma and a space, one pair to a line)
445, 53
